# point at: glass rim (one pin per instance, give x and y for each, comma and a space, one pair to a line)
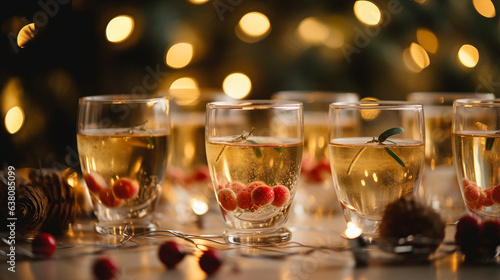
312, 95
376, 105
255, 104
436, 98
474, 102
120, 98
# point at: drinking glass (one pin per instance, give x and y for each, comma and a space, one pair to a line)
254, 153
440, 188
123, 149
379, 161
316, 194
476, 150
187, 170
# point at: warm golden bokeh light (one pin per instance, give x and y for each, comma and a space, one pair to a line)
419, 56
313, 31
486, 8
255, 24
409, 62
26, 35
428, 40
237, 85
119, 28
367, 12
184, 90
14, 119
179, 55
468, 56
184, 83
198, 2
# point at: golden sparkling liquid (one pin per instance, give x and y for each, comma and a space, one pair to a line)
367, 181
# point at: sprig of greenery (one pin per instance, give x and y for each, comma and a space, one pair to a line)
142, 127
244, 138
380, 139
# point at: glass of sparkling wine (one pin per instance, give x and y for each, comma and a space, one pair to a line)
382, 162
315, 194
254, 153
123, 149
440, 188
476, 150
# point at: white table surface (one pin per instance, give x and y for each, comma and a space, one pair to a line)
142, 262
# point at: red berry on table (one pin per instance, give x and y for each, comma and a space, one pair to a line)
495, 194
467, 230
262, 195
108, 198
489, 233
227, 199
210, 261
281, 195
236, 187
201, 174
95, 182
44, 244
126, 188
255, 184
104, 269
170, 254
244, 199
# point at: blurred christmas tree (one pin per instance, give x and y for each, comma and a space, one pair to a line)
384, 49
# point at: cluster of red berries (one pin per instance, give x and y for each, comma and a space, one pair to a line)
315, 171
122, 189
476, 197
200, 174
477, 239
170, 254
257, 194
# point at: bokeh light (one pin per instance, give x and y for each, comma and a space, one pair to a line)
237, 85
179, 55
486, 8
119, 28
468, 56
255, 24
198, 2
367, 12
185, 90
14, 119
26, 35
313, 31
428, 40
419, 55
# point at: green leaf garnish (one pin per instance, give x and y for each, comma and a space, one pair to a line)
257, 151
279, 149
241, 138
381, 138
142, 127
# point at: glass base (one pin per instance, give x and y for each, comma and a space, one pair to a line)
129, 227
251, 237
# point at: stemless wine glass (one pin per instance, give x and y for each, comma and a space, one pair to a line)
316, 194
254, 152
440, 188
476, 150
383, 160
123, 149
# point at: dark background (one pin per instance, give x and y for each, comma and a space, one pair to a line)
70, 57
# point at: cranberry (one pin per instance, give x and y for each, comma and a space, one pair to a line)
44, 244
95, 182
236, 187
108, 198
467, 230
472, 193
104, 269
281, 195
210, 261
262, 195
244, 199
201, 174
489, 233
126, 188
255, 184
227, 199
495, 194
170, 254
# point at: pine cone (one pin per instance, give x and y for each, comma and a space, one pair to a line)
408, 216
44, 201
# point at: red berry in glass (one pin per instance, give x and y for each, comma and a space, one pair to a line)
44, 244
95, 182
262, 195
227, 199
108, 198
126, 188
170, 254
244, 199
281, 195
104, 269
